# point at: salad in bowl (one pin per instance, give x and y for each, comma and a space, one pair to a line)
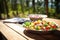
40, 25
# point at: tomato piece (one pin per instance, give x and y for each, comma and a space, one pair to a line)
47, 28
54, 26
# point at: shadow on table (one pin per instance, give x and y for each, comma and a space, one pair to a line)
2, 37
39, 35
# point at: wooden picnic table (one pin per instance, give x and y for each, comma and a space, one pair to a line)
13, 31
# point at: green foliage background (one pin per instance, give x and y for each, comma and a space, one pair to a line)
23, 8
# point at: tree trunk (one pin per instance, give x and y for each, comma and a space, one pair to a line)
33, 5
27, 2
22, 6
57, 3
1, 6
46, 6
14, 5
6, 8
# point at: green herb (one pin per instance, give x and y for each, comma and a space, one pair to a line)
45, 24
27, 23
53, 23
52, 29
37, 28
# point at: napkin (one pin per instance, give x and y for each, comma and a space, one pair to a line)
15, 20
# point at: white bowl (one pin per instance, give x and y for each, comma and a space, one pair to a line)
36, 16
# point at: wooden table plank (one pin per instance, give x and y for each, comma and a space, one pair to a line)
19, 29
9, 33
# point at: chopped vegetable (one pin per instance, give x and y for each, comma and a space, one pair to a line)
37, 28
45, 24
27, 23
41, 25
